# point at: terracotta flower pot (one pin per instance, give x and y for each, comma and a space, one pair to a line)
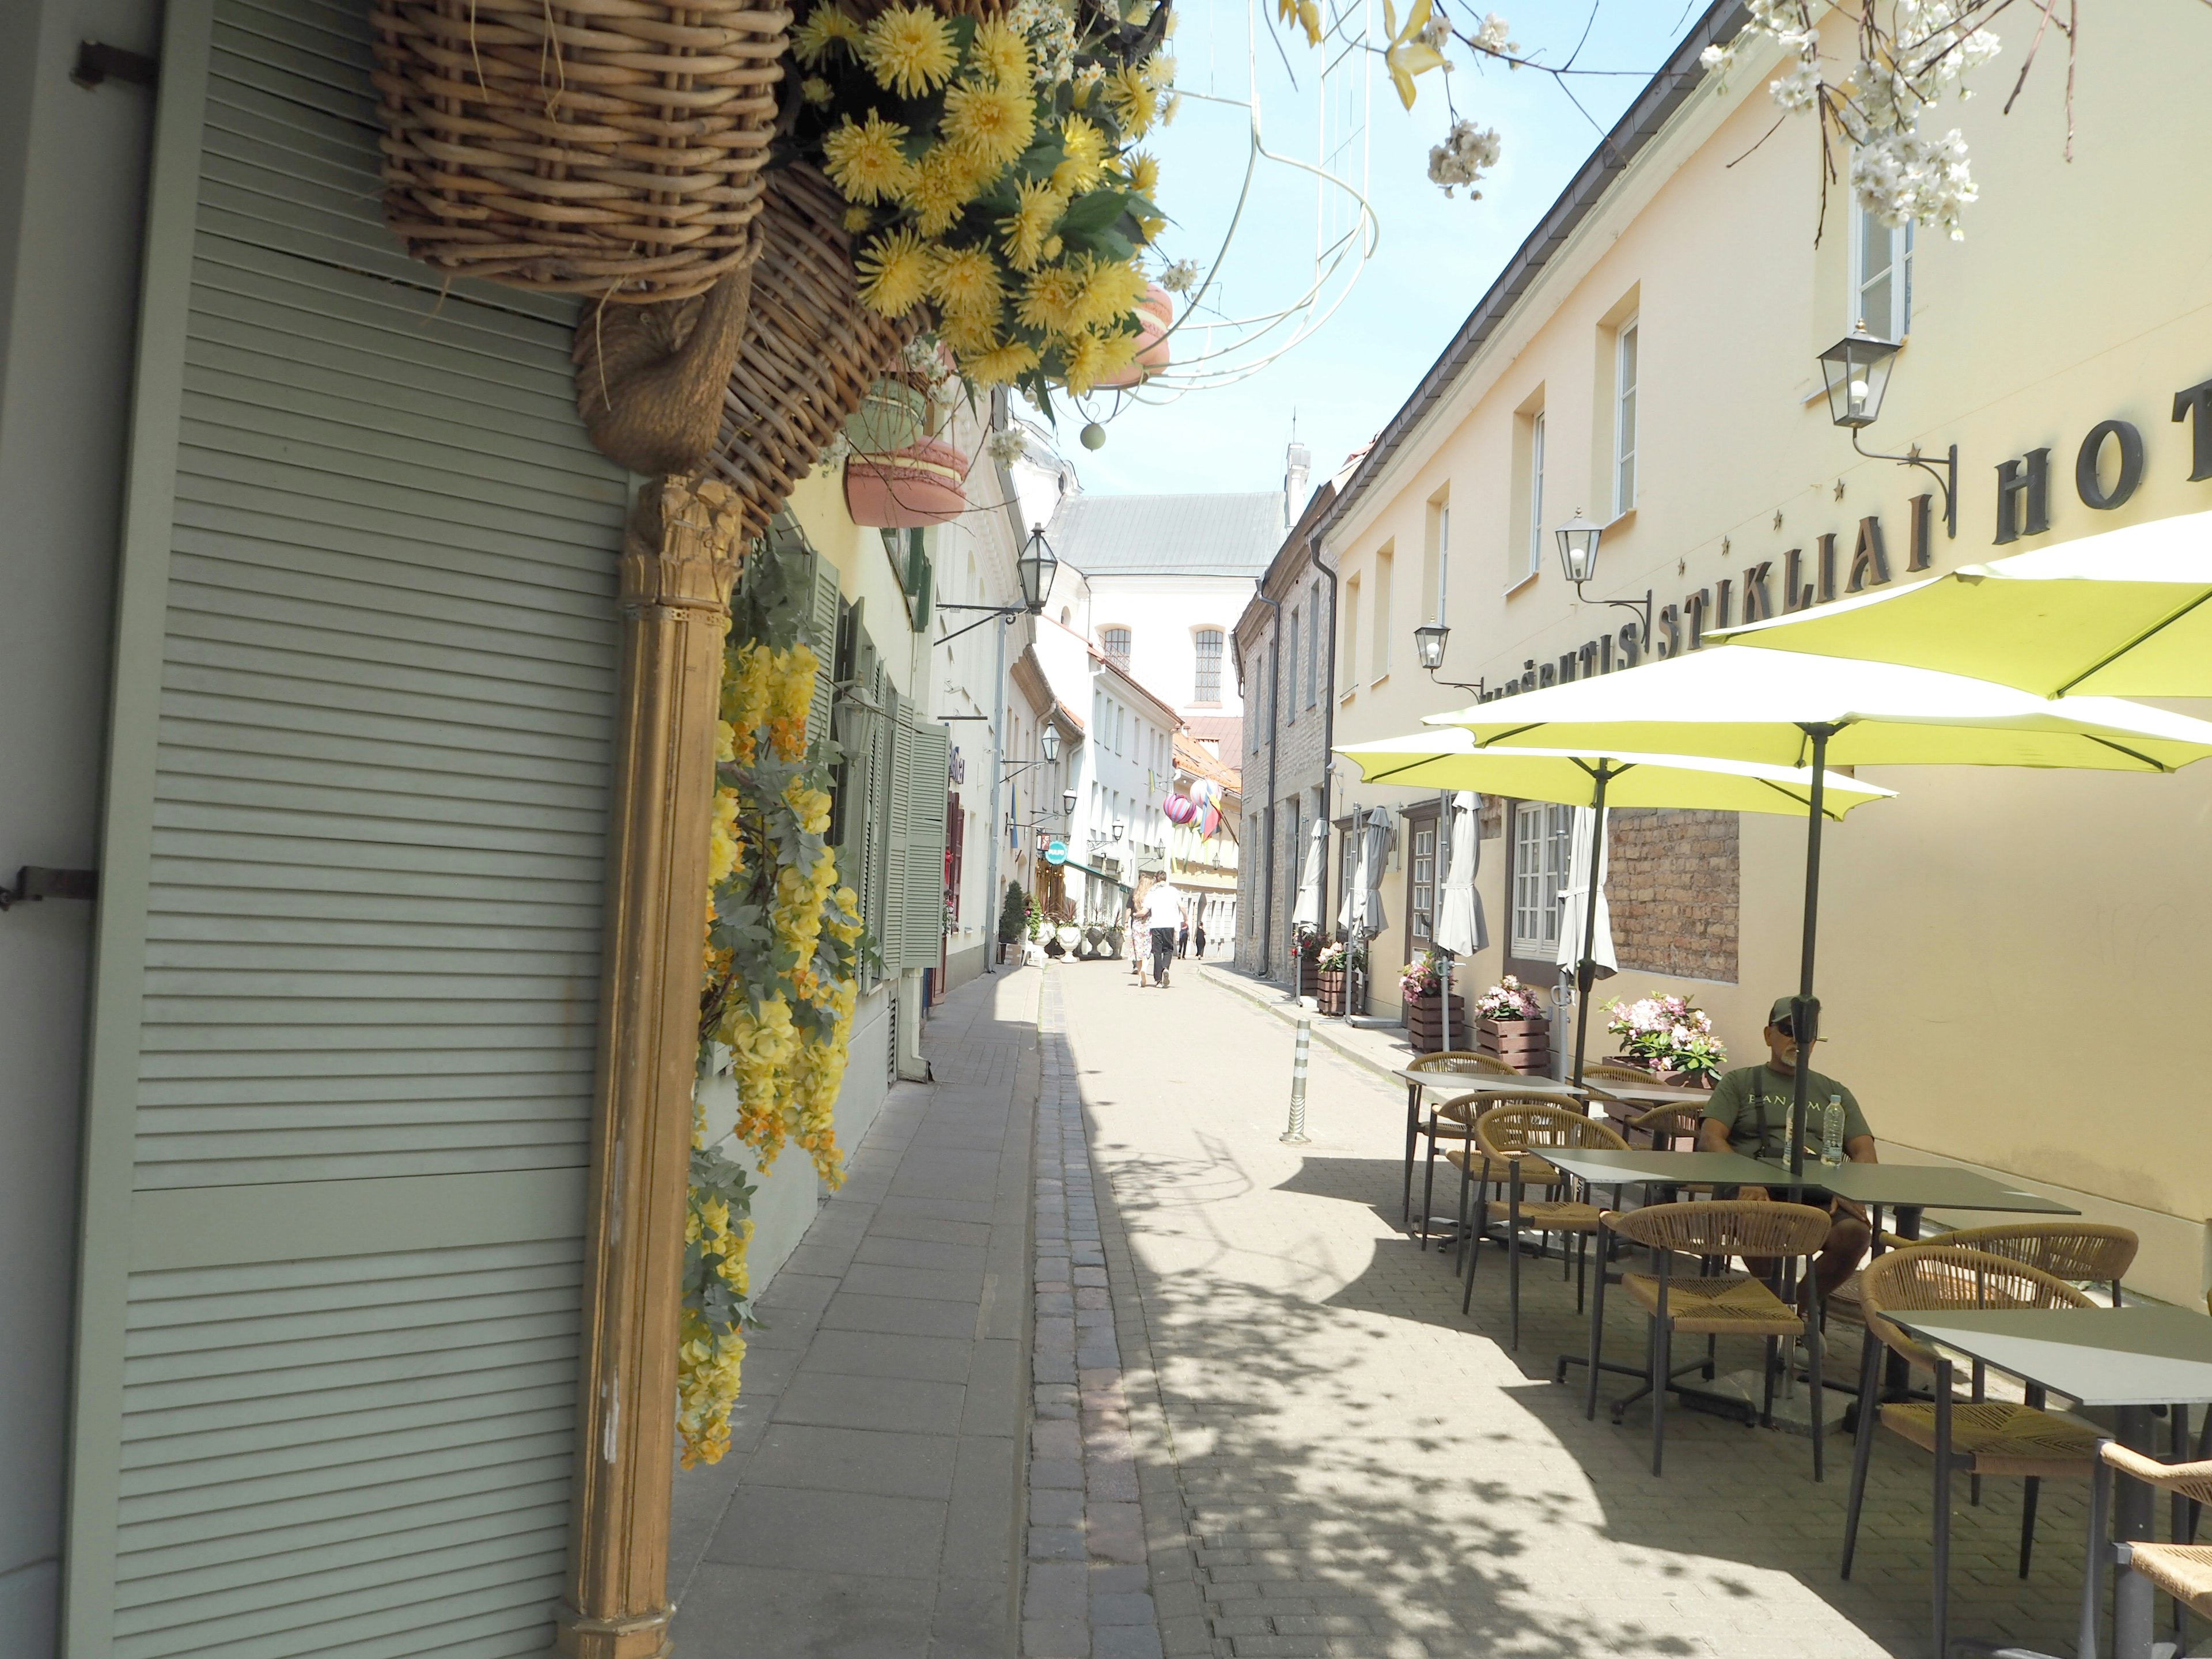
1155, 316
922, 484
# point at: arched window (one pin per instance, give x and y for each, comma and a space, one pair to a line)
1115, 642
1206, 684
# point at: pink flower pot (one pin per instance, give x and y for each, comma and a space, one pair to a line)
1155, 315
922, 484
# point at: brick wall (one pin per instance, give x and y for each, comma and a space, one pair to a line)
1278, 721
1673, 889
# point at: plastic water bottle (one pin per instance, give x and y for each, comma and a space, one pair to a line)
1831, 1131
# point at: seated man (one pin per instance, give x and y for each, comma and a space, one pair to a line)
1749, 1113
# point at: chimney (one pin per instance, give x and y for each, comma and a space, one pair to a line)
1297, 466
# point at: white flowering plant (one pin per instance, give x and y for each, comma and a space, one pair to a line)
1509, 1000
1670, 1034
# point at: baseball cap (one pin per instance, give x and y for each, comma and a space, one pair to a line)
1780, 1013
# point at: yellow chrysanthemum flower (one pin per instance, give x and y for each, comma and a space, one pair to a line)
1052, 300
972, 334
999, 52
1148, 226
1144, 173
1086, 148
1110, 292
894, 273
941, 184
1053, 248
1133, 99
1038, 209
965, 282
910, 50
991, 122
865, 161
824, 26
858, 218
1159, 68
1002, 365
1082, 360
815, 90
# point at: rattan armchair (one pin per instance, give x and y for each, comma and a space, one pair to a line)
1667, 1124
1979, 1437
2079, 1252
1417, 1125
1715, 1304
2182, 1570
1511, 1139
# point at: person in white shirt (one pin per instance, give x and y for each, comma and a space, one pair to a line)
1162, 915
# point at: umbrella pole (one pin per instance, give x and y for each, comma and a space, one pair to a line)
1446, 843
1805, 1016
1586, 969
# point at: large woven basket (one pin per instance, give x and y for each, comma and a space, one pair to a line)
611, 147
811, 349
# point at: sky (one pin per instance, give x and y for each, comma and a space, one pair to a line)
1433, 257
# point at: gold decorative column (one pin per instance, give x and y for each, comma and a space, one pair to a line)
679, 559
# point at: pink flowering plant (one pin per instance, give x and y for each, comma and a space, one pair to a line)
1423, 976
1509, 1000
1670, 1034
1336, 957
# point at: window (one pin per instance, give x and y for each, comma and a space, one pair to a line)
1436, 549
1381, 664
1206, 684
1421, 879
1882, 277
1114, 643
1348, 655
1624, 419
1291, 717
1535, 493
1313, 651
1540, 870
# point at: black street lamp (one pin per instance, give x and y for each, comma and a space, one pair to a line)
1036, 568
1855, 370
1067, 802
1428, 640
1049, 741
1578, 538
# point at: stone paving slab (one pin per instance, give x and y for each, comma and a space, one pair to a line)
1329, 1460
870, 1505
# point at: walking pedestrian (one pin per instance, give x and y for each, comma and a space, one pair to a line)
1183, 937
1198, 939
1139, 940
1163, 905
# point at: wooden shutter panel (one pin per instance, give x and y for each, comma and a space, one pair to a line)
344, 1017
926, 763
821, 632
898, 813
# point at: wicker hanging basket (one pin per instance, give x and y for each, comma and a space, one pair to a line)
811, 349
612, 147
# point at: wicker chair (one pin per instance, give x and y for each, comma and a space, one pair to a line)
1667, 1124
1981, 1438
1718, 1304
2079, 1252
1509, 1139
1447, 1060
2183, 1570
1452, 1123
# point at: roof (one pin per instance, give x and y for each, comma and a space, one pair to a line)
1654, 107
1169, 535
1189, 758
1217, 728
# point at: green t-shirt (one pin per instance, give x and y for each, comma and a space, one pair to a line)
1738, 1097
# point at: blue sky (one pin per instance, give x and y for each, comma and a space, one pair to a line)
1434, 257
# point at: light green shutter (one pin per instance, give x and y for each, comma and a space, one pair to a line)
898, 796
822, 634
345, 1021
927, 763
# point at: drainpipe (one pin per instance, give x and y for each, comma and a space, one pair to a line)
1274, 695
1327, 714
992, 897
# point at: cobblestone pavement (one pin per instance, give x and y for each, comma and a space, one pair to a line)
1332, 1461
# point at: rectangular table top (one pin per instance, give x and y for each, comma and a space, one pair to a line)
1605, 1168
1918, 1186
2138, 1355
1647, 1094
1493, 1083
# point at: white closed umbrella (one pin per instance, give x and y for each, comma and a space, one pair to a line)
1363, 910
1577, 913
1461, 927
1311, 875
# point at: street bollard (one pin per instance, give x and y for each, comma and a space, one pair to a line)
1295, 1134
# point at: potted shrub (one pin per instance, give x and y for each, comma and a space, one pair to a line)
1336, 963
1422, 985
1510, 1024
1671, 1038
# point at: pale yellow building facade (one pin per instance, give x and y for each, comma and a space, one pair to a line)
2014, 965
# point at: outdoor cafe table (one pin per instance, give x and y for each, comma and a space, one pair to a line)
2128, 1358
1496, 1084
1910, 1188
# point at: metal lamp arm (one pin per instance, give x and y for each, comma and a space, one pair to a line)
1946, 478
1640, 608
1001, 611
1479, 688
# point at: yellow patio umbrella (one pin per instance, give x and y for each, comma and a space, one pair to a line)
1783, 708
1446, 758
2121, 614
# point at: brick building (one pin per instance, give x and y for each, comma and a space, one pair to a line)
1281, 648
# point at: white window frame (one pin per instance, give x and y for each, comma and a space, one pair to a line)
1421, 896
1199, 637
1106, 646
1627, 381
1535, 494
1313, 650
1898, 323
1541, 844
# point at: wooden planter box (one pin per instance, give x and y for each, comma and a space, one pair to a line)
1523, 1044
1425, 1023
1308, 977
1329, 987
